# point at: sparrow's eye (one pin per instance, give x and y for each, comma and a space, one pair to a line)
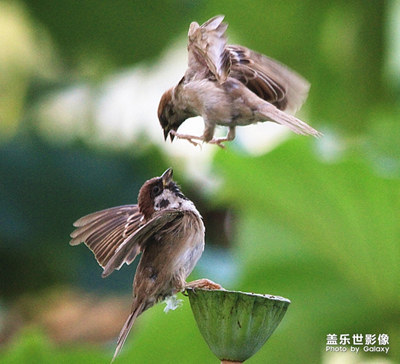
156, 191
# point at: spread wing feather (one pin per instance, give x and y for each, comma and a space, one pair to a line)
207, 49
268, 79
104, 231
209, 55
132, 245
117, 235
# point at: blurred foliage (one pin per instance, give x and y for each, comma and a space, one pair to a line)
324, 235
315, 221
33, 346
118, 33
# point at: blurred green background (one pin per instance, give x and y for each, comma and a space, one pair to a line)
316, 221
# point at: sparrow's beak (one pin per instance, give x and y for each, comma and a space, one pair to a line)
166, 132
167, 177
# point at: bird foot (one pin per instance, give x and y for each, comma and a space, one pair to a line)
187, 137
219, 141
203, 284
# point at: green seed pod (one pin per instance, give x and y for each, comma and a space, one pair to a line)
235, 325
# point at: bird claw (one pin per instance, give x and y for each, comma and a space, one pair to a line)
194, 143
187, 137
218, 141
203, 284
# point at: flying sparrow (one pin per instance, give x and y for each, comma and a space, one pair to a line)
165, 227
230, 85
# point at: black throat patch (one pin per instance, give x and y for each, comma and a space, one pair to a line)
164, 203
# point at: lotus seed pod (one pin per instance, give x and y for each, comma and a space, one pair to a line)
235, 325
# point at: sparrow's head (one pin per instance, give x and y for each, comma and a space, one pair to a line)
159, 193
170, 117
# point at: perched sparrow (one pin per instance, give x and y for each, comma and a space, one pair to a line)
230, 85
165, 227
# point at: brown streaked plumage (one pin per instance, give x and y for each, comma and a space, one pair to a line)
231, 85
164, 226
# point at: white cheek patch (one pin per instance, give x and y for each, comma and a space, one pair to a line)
168, 200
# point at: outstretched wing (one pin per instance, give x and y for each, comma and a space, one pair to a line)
116, 235
104, 231
163, 220
272, 81
268, 79
207, 49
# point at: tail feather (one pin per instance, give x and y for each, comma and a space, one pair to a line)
127, 328
300, 127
